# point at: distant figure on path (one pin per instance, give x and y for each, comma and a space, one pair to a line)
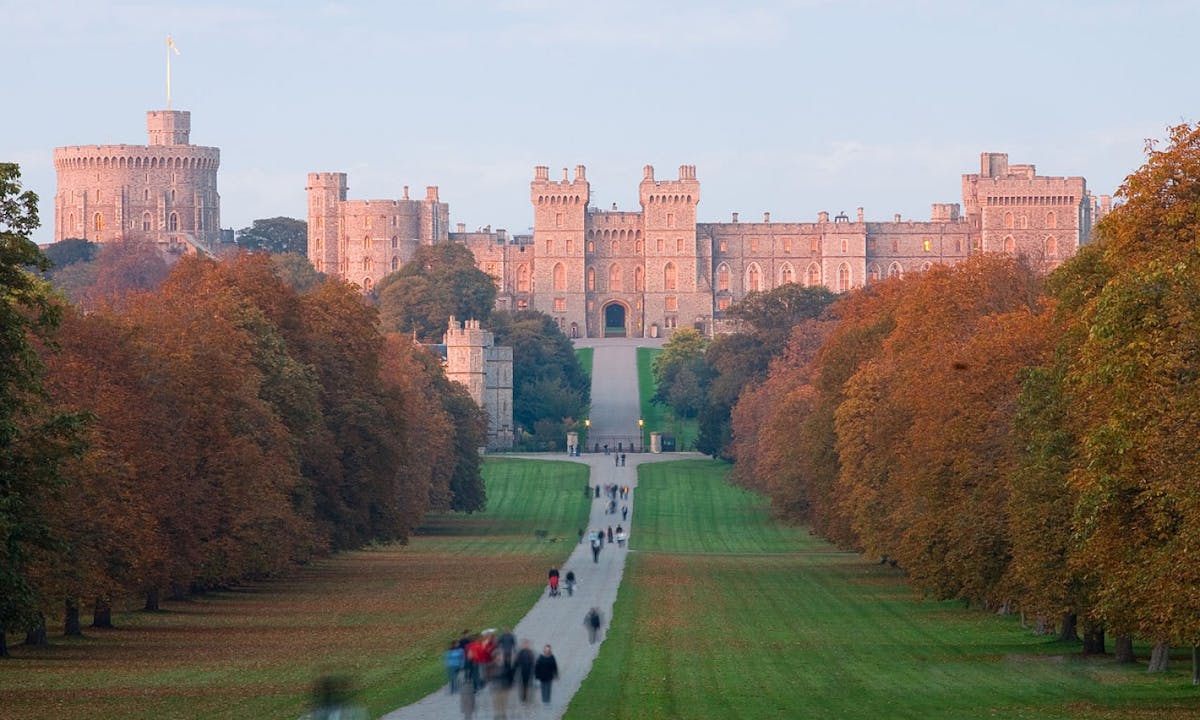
523, 668
596, 545
592, 622
624, 512
508, 646
546, 671
454, 659
570, 583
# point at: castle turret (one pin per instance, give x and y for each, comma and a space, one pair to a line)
325, 192
559, 226
675, 263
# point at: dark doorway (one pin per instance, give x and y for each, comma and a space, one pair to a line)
614, 320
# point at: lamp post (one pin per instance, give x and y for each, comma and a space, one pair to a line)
641, 435
587, 426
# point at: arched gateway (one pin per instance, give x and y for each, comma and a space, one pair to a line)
615, 316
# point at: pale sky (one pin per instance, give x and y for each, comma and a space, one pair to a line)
790, 107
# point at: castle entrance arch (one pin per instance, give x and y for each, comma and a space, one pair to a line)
616, 320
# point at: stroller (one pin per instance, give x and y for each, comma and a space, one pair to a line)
554, 583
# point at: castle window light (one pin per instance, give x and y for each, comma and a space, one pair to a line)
146, 194
591, 246
560, 277
843, 277
813, 275
723, 278
844, 245
560, 304
660, 244
723, 245
98, 223
814, 245
367, 265
927, 245
669, 276
1010, 245
637, 247
615, 280
395, 264
671, 303
1051, 247
173, 222
753, 278
145, 222
523, 278
1051, 220
786, 275
753, 244
723, 302
639, 279
895, 271
591, 278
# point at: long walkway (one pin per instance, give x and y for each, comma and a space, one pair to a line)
558, 622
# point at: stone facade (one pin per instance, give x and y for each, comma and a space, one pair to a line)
363, 240
474, 360
164, 192
646, 272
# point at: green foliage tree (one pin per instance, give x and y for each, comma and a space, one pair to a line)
70, 251
680, 374
440, 281
275, 235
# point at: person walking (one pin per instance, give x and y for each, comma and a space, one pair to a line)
523, 669
546, 672
597, 543
570, 583
592, 622
454, 658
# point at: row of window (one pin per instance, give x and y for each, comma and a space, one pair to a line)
1009, 222
138, 163
147, 222
1032, 200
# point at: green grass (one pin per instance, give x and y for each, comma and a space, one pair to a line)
660, 418
585, 357
380, 616
725, 614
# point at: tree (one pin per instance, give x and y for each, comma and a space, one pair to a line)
275, 235
35, 440
70, 251
440, 281
680, 374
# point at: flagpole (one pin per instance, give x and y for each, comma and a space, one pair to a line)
168, 72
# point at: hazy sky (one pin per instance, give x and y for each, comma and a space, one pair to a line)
790, 107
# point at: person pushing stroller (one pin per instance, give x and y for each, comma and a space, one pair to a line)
553, 582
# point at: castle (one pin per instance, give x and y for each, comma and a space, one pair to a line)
164, 192
604, 273
474, 360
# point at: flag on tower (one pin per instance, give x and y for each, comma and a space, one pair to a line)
171, 44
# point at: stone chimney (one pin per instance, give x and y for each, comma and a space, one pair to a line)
766, 217
823, 216
735, 217
860, 214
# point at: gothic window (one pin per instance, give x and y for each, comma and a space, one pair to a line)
560, 277
172, 195
146, 194
1051, 220
753, 278
753, 244
1051, 247
723, 246
1008, 220
873, 272
786, 275
591, 246
173, 222
146, 222
591, 278
614, 278
894, 270
639, 279
616, 248
814, 245
814, 275
723, 278
367, 243
366, 284
560, 304
366, 264
1010, 245
723, 302
72, 224
395, 264
843, 277
523, 278
927, 245
668, 276
637, 247
844, 245
787, 245
395, 240
99, 222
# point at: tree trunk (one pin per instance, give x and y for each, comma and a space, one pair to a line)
71, 618
1093, 639
1068, 633
102, 614
1160, 657
1040, 626
151, 600
36, 635
1124, 649
3, 643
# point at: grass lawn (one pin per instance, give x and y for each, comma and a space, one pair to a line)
660, 418
379, 616
725, 614
585, 356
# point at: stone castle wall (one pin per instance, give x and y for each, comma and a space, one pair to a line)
164, 192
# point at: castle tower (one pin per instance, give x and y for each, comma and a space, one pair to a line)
559, 224
164, 192
325, 193
474, 361
673, 257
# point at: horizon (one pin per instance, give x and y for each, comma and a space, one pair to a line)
328, 87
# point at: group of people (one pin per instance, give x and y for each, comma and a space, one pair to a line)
490, 660
597, 540
569, 581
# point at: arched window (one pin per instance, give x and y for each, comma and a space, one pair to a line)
172, 195
367, 243
753, 278
367, 264
813, 278
614, 278
560, 277
99, 222
366, 284
637, 247
395, 240
1010, 245
669, 276
616, 248
1051, 220
843, 277
1008, 220
873, 272
146, 194
786, 275
639, 279
173, 222
591, 278
591, 246
894, 270
395, 264
1051, 247
146, 222
523, 278
723, 278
